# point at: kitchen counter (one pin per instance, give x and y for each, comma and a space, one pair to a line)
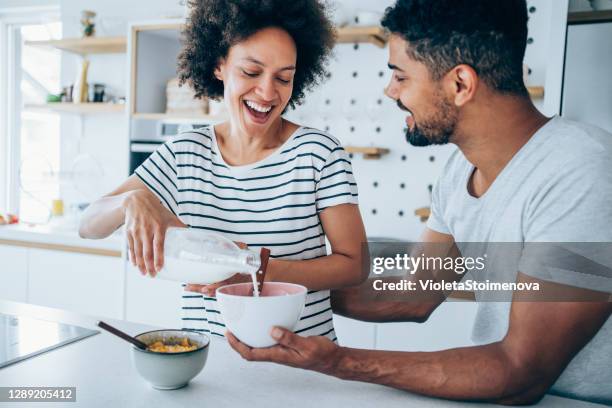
61, 238
100, 369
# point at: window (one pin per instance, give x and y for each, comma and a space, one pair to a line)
31, 142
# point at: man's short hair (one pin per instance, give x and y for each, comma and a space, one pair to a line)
488, 35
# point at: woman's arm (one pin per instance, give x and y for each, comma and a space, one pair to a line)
344, 229
105, 215
343, 267
145, 219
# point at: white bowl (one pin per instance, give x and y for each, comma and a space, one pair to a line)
251, 319
169, 371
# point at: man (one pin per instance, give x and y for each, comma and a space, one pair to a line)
516, 177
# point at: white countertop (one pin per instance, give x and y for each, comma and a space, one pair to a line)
59, 235
101, 370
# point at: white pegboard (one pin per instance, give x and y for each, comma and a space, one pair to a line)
351, 106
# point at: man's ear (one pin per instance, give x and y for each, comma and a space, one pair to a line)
462, 82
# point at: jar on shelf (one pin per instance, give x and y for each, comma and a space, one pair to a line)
88, 23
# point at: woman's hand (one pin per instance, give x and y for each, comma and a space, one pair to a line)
146, 222
209, 290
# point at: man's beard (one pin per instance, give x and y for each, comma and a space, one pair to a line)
436, 130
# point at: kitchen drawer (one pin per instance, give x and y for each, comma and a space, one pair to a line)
89, 284
13, 273
449, 326
152, 301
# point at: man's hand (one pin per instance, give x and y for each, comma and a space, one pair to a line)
315, 353
542, 339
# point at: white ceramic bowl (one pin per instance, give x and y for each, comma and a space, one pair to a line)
169, 371
251, 319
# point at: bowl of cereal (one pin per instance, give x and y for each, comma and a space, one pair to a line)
172, 357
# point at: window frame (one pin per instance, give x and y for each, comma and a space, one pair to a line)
11, 20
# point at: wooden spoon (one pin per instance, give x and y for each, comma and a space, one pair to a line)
264, 256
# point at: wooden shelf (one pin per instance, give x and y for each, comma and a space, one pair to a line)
536, 92
357, 34
579, 17
368, 152
423, 213
164, 116
349, 34
79, 108
88, 45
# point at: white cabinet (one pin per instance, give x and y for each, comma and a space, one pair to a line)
355, 333
448, 327
13, 273
89, 284
152, 301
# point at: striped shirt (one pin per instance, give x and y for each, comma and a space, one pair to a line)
274, 203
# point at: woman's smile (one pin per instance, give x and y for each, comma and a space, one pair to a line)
258, 112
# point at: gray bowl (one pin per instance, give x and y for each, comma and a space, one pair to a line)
169, 371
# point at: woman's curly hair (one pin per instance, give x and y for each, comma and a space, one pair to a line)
214, 26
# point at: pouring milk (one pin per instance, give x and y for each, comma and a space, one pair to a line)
202, 258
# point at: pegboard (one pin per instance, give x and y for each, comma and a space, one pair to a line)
351, 106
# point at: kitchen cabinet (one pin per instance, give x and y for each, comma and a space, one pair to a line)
355, 333
13, 273
91, 284
448, 327
152, 301
587, 89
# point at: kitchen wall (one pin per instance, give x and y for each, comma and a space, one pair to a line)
94, 152
17, 4
350, 105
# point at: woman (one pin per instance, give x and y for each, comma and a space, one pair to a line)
256, 178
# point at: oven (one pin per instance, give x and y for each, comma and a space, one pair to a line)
147, 138
140, 151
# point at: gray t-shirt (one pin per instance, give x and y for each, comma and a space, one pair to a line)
557, 188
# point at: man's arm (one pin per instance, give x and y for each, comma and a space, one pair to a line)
364, 303
542, 339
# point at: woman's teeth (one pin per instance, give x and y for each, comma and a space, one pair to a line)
258, 108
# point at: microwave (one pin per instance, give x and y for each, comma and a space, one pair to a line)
148, 137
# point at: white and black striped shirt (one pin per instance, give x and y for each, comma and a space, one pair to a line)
274, 203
